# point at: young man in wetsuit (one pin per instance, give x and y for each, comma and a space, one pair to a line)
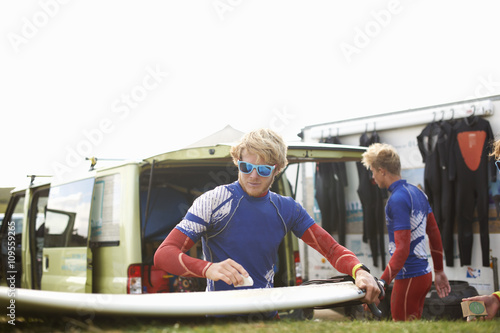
242, 224
409, 217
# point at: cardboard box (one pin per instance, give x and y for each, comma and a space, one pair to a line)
473, 308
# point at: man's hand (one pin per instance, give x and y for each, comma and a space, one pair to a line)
366, 281
228, 271
491, 303
442, 285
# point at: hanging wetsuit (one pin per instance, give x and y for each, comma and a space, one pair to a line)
339, 211
324, 194
372, 205
469, 168
447, 212
427, 144
381, 196
433, 143
365, 194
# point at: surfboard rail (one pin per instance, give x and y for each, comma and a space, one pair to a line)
182, 304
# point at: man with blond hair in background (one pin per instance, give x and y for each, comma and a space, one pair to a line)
409, 217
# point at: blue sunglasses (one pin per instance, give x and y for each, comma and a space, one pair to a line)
497, 163
262, 169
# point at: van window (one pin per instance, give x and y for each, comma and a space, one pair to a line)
68, 214
105, 218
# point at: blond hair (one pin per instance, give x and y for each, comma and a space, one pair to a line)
267, 144
496, 149
382, 155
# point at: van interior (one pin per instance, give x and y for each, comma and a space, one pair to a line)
165, 196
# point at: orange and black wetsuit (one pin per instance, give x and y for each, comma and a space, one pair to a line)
469, 169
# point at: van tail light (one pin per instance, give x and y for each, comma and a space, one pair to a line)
298, 268
134, 279
145, 279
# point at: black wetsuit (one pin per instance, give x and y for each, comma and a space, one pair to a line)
428, 145
339, 203
365, 193
372, 202
381, 196
324, 194
469, 167
434, 145
447, 217
330, 183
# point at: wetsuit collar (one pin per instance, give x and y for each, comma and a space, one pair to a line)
247, 195
397, 183
470, 120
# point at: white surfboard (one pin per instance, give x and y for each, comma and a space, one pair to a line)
183, 304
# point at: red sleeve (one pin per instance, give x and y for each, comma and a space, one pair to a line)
171, 258
435, 243
341, 258
402, 238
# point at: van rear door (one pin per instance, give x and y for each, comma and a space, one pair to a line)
10, 241
21, 238
64, 261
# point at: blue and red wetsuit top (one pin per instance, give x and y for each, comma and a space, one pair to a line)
249, 230
408, 209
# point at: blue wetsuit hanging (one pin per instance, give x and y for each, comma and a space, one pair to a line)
469, 168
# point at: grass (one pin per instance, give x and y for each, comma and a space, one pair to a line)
66, 324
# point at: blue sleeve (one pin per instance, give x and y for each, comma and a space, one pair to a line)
302, 220
399, 211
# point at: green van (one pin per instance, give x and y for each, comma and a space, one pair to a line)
99, 233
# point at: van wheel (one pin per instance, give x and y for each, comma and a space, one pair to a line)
448, 307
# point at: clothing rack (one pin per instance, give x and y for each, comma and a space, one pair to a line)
406, 118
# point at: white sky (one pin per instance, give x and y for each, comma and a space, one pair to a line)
189, 68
